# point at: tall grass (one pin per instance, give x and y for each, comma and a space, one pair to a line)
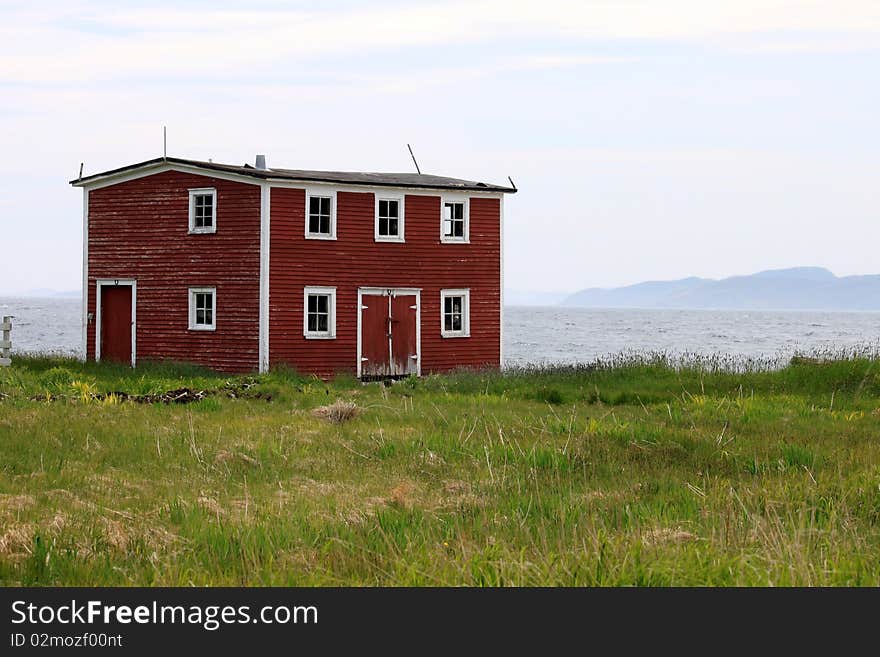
641, 470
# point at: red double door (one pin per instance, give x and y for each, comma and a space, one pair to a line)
389, 334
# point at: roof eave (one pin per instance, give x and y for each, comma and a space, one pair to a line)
396, 185
267, 174
162, 161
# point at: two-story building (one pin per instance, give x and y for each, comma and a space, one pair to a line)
240, 268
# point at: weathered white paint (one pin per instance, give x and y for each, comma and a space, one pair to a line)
265, 215
85, 277
331, 321
6, 342
464, 199
401, 217
202, 191
501, 289
465, 331
326, 192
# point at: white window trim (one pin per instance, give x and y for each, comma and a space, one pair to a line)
192, 210
192, 309
323, 193
449, 198
331, 323
465, 331
401, 235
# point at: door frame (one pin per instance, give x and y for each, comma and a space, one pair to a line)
116, 282
393, 291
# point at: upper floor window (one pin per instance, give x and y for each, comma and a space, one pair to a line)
455, 313
203, 210
319, 318
454, 220
321, 215
389, 219
202, 308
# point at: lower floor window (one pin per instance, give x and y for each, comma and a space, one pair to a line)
319, 313
455, 313
319, 319
202, 308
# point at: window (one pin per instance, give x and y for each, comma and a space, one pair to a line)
454, 220
202, 308
389, 219
319, 317
203, 210
321, 215
455, 320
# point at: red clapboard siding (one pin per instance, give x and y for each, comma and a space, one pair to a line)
356, 260
139, 229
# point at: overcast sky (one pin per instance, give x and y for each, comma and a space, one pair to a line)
650, 139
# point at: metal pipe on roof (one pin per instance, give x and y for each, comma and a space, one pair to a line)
419, 171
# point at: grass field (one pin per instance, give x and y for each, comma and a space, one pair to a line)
633, 472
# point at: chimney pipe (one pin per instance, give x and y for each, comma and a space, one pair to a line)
261, 162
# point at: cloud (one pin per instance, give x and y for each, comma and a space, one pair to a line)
94, 40
634, 121
444, 76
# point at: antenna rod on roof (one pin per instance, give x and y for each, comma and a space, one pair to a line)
80, 170
512, 184
164, 142
419, 171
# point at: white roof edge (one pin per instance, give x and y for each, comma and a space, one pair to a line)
152, 168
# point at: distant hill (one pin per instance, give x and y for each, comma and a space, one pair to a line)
799, 288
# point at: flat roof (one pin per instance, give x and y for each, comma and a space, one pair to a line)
367, 179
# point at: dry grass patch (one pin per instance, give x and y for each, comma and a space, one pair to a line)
315, 488
226, 456
338, 412
359, 516
432, 458
457, 494
401, 494
116, 534
211, 505
12, 503
123, 536
604, 496
16, 540
116, 485
351, 504
666, 535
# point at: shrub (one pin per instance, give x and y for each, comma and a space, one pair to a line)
57, 377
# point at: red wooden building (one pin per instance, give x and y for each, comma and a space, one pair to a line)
240, 268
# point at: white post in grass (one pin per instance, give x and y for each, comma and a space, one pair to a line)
6, 342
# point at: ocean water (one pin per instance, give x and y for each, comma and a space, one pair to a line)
45, 325
547, 335
573, 335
